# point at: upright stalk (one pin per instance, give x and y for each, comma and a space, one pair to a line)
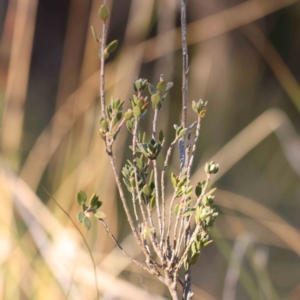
185, 70
102, 67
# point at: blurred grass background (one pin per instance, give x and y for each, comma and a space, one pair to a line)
244, 58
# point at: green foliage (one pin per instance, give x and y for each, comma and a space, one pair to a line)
111, 47
86, 222
94, 33
147, 189
211, 168
103, 12
199, 108
93, 208
81, 197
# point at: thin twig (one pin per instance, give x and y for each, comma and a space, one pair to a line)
170, 219
156, 174
185, 69
102, 68
185, 62
157, 196
194, 147
83, 238
135, 212
154, 123
188, 144
191, 240
116, 133
163, 187
150, 271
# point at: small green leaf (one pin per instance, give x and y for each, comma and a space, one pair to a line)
80, 216
137, 85
104, 125
188, 212
142, 116
103, 12
151, 177
176, 209
86, 222
211, 191
152, 202
137, 111
132, 182
169, 85
94, 200
186, 263
161, 86
146, 190
155, 99
182, 132
99, 214
195, 258
152, 89
178, 130
81, 197
161, 136
174, 180
207, 243
198, 190
129, 126
94, 34
111, 47
83, 207
188, 202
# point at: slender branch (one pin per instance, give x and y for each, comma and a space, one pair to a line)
157, 197
116, 133
176, 224
185, 69
185, 62
150, 271
102, 68
124, 203
178, 245
188, 149
154, 123
163, 187
194, 147
156, 175
203, 191
170, 219
83, 238
183, 256
135, 212
188, 144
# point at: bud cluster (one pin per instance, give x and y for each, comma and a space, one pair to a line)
113, 116
199, 107
140, 85
211, 168
150, 150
